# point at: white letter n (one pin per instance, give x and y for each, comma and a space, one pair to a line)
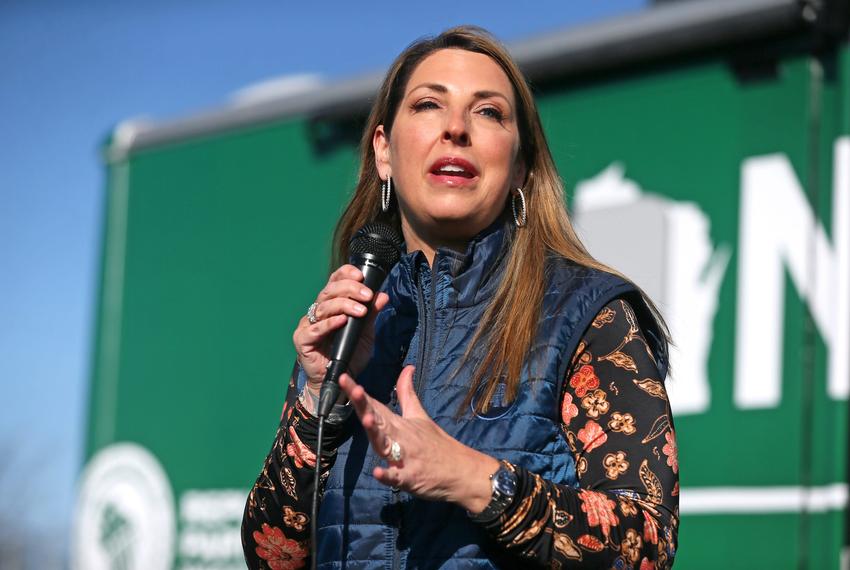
779, 229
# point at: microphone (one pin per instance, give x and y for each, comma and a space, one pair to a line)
374, 250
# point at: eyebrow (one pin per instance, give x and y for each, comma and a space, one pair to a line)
440, 88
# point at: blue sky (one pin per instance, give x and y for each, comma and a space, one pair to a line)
69, 72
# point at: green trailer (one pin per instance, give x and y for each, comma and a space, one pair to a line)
726, 122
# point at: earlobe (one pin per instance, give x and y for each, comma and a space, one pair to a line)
521, 176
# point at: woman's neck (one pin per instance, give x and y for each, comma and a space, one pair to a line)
416, 241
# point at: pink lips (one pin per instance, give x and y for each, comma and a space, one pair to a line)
453, 170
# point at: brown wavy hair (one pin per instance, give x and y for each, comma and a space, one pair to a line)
504, 332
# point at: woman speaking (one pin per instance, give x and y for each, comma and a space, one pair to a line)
506, 405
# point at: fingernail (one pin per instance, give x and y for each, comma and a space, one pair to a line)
360, 309
365, 292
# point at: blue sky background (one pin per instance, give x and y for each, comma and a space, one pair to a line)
69, 72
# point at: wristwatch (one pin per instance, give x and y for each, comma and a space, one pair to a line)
504, 483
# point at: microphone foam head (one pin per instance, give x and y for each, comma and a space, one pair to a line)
379, 241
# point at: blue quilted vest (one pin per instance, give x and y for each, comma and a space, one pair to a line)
429, 322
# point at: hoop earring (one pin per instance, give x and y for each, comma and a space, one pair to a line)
523, 218
386, 192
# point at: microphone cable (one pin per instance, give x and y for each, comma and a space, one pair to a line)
314, 505
374, 250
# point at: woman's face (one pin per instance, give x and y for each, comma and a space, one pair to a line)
453, 153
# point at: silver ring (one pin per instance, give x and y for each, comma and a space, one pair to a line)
311, 314
395, 452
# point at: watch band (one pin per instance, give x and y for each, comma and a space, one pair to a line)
504, 486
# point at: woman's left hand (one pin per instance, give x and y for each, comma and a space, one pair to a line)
433, 465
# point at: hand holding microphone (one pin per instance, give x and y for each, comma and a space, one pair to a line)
341, 336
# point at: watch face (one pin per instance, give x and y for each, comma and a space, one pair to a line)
505, 482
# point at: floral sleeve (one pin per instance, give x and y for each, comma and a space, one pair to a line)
616, 418
275, 524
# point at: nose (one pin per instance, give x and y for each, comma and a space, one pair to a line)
456, 129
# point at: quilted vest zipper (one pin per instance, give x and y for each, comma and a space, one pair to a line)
396, 495
427, 314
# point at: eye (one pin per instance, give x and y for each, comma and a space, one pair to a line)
492, 112
425, 105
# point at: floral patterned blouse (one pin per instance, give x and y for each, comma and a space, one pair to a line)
616, 418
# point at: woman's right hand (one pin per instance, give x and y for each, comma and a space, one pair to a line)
343, 296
